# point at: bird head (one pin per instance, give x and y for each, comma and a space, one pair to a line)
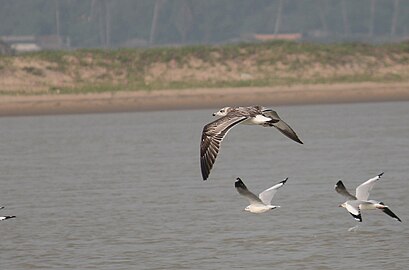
223, 112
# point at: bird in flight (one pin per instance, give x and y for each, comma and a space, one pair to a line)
214, 132
262, 202
361, 201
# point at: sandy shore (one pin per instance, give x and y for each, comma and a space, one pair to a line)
202, 98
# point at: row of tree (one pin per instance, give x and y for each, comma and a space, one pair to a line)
129, 23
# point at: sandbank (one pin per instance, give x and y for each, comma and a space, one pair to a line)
131, 101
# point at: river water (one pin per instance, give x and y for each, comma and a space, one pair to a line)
124, 191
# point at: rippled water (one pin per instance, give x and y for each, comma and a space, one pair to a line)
124, 191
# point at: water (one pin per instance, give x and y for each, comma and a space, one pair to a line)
124, 191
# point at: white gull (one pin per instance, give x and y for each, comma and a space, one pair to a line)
262, 203
360, 201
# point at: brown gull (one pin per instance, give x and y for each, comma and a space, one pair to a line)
214, 132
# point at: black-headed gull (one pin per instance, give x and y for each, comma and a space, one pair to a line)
214, 132
262, 203
360, 201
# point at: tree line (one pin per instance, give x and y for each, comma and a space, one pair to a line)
133, 23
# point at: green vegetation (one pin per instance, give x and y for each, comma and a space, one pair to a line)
263, 64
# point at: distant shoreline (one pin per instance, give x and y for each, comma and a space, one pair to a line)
129, 101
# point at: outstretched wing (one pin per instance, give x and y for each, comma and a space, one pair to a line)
340, 188
242, 189
362, 191
282, 126
212, 136
6, 217
389, 212
267, 195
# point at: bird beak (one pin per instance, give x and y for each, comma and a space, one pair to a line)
340, 205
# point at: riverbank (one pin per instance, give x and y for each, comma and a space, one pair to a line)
201, 98
193, 77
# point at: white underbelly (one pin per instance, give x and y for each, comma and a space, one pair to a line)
367, 206
259, 208
259, 119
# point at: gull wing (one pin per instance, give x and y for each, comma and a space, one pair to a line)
6, 217
391, 214
362, 191
282, 126
242, 189
212, 136
267, 195
353, 209
340, 188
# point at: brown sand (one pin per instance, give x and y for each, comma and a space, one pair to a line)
202, 98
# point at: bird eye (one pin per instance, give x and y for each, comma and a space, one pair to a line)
222, 111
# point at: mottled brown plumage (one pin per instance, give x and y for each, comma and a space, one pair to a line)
214, 132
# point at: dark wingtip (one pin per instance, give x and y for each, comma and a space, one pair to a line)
357, 217
295, 138
284, 181
390, 213
338, 183
239, 183
379, 175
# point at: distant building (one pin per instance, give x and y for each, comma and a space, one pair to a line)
25, 47
21, 43
268, 37
5, 49
31, 43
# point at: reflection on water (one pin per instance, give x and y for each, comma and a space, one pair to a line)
124, 191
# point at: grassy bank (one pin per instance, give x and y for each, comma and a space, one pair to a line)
266, 64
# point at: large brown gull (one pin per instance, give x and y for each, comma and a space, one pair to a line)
214, 132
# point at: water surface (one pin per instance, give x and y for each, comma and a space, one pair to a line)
124, 191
